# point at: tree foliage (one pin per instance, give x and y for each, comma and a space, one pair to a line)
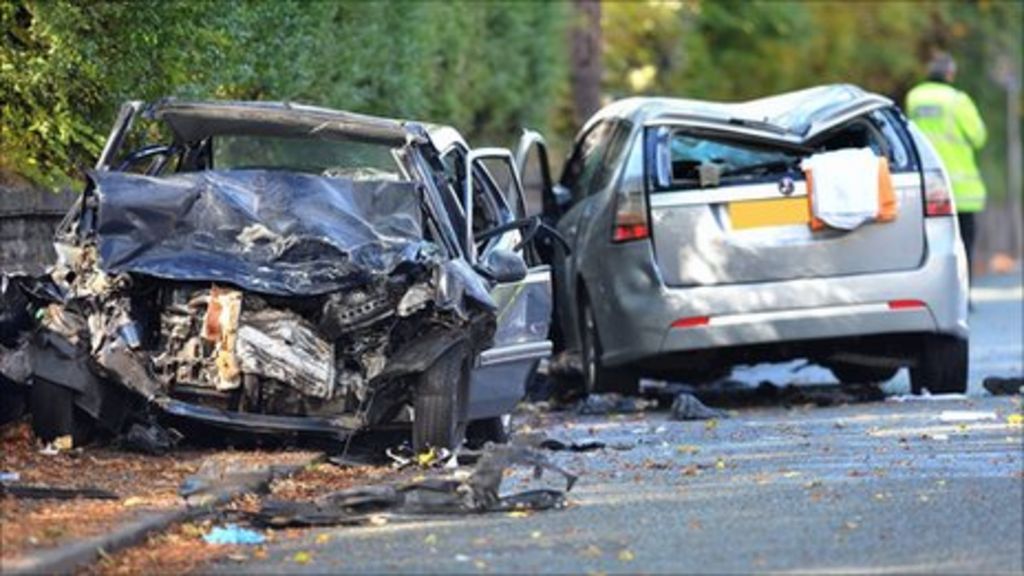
65, 65
736, 50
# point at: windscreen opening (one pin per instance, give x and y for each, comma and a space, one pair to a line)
327, 157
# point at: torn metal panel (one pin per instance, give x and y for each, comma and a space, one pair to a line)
282, 346
271, 232
220, 326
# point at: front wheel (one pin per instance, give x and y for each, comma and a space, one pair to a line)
439, 402
54, 413
596, 377
494, 430
942, 366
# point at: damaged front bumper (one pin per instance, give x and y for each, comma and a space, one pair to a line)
251, 316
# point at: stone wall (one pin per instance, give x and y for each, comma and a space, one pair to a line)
28, 218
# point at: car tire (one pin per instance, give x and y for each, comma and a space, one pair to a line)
439, 403
54, 413
854, 374
480, 432
942, 366
596, 377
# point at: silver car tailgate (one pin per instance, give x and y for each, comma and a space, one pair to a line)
697, 242
758, 232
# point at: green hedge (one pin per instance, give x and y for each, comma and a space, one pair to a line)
65, 66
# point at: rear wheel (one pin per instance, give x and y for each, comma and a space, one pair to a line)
439, 404
854, 374
596, 377
941, 366
54, 413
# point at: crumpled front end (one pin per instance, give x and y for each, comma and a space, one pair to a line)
255, 300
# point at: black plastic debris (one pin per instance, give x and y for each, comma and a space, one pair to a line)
477, 493
688, 407
559, 446
998, 386
151, 439
601, 404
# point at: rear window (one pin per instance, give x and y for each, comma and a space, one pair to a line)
690, 162
341, 158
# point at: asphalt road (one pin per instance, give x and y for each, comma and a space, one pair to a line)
903, 485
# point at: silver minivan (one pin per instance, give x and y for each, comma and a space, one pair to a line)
690, 250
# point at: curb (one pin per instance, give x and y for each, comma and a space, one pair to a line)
67, 558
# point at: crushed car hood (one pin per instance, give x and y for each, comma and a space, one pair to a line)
272, 232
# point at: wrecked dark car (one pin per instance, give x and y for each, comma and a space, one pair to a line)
283, 269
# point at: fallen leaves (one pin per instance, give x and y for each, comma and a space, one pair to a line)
1015, 420
302, 557
591, 551
626, 556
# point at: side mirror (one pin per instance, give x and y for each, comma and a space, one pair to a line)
502, 266
561, 195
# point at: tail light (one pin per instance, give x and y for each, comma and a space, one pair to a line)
938, 199
631, 221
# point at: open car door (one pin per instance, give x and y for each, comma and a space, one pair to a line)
497, 240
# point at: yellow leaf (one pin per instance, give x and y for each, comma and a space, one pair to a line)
626, 556
63, 443
302, 557
518, 514
480, 565
430, 539
1015, 419
720, 464
133, 501
323, 538
711, 424
536, 534
592, 551
427, 458
687, 449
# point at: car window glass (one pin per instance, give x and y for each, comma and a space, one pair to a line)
899, 153
586, 160
486, 211
609, 162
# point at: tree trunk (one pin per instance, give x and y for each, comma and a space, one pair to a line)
1013, 165
585, 54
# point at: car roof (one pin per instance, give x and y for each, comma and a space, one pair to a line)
795, 113
191, 121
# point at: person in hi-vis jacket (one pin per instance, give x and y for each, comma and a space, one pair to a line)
950, 121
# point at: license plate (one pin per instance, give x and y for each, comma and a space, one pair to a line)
768, 213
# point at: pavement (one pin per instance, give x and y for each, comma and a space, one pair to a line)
909, 484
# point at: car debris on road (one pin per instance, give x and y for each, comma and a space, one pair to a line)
476, 492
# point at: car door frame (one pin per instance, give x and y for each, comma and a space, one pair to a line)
495, 388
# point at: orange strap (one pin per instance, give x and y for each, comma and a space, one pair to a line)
887, 206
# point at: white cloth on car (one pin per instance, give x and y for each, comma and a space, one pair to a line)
845, 183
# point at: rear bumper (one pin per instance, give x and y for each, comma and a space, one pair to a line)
638, 323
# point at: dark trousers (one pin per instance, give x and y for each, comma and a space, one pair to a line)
967, 230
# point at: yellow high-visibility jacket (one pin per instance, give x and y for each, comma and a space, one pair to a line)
950, 121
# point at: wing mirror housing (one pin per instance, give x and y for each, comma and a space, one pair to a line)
502, 266
561, 195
